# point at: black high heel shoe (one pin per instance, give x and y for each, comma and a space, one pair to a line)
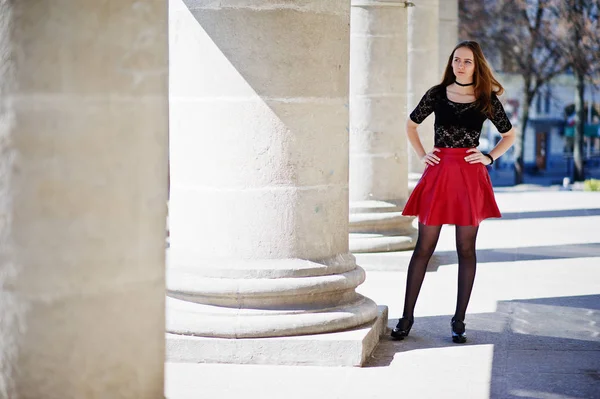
459, 336
402, 328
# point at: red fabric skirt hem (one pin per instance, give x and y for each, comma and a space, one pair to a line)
453, 192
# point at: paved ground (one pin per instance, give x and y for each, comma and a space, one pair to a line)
533, 321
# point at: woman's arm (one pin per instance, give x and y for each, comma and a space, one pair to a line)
504, 144
502, 123
415, 142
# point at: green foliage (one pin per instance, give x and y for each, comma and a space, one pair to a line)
591, 185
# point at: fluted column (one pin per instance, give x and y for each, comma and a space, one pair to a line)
378, 145
423, 67
83, 172
448, 31
259, 171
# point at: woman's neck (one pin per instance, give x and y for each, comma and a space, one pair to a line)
461, 83
462, 90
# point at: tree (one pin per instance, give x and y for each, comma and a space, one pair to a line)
523, 36
579, 33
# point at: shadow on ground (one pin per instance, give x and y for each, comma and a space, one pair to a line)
568, 251
399, 261
551, 214
543, 348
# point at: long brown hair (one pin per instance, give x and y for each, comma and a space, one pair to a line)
484, 81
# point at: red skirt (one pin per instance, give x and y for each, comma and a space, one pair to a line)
453, 192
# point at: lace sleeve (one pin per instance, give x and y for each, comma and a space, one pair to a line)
499, 118
424, 108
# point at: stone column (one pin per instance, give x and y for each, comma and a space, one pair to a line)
83, 172
378, 145
259, 183
448, 31
423, 68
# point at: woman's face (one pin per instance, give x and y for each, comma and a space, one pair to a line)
463, 64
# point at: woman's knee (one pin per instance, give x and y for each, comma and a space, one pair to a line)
465, 250
424, 249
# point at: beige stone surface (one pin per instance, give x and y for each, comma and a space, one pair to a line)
378, 145
259, 173
83, 136
243, 106
447, 30
378, 103
343, 348
423, 70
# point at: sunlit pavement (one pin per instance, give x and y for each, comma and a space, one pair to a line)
533, 323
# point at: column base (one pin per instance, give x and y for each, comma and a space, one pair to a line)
346, 348
379, 226
364, 243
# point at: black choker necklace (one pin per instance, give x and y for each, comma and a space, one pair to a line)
462, 85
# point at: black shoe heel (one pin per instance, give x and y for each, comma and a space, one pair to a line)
459, 336
402, 328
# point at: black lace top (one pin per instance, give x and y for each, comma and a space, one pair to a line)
457, 125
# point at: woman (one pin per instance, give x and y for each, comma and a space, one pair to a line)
455, 187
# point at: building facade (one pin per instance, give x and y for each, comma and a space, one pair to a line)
548, 145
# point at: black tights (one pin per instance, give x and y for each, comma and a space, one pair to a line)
467, 262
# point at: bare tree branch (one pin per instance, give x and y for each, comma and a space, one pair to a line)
527, 39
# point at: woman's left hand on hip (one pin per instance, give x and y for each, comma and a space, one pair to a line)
476, 156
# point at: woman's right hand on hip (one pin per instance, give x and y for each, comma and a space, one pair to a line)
430, 158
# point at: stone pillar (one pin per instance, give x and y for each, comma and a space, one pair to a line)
259, 182
448, 31
83, 173
423, 68
378, 145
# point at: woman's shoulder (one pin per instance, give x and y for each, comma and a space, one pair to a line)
436, 91
496, 92
495, 98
